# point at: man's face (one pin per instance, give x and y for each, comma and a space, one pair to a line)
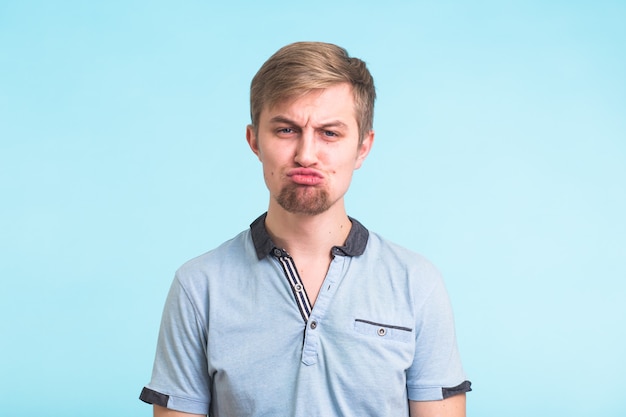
309, 148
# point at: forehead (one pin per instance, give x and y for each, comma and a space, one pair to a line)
317, 105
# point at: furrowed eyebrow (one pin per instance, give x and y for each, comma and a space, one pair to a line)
333, 124
281, 119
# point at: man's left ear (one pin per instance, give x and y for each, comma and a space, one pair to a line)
364, 149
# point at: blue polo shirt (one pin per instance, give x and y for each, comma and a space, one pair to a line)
239, 337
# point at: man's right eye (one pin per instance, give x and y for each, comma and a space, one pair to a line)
285, 130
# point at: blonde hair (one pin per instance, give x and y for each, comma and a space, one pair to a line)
300, 67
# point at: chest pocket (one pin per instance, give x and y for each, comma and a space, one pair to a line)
382, 331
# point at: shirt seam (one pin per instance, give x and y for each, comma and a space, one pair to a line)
428, 296
196, 311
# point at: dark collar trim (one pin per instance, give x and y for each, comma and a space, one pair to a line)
354, 246
261, 239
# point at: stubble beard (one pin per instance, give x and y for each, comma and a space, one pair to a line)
307, 200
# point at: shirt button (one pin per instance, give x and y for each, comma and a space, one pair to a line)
298, 287
277, 252
382, 331
313, 325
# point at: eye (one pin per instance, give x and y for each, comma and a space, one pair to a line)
285, 131
330, 134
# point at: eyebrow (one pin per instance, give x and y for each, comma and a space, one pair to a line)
283, 119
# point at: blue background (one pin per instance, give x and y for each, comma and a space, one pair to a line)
500, 154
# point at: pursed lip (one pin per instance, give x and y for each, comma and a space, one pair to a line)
305, 176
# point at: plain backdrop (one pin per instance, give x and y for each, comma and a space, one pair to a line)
500, 154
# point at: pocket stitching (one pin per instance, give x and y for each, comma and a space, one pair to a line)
388, 326
382, 331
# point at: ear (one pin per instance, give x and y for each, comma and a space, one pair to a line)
251, 137
364, 149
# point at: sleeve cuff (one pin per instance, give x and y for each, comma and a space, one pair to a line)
185, 405
437, 393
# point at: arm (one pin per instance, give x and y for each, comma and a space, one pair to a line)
166, 412
450, 407
180, 378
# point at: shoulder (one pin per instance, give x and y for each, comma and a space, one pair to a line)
400, 267
394, 255
234, 252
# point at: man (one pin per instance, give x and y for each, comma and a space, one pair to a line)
307, 313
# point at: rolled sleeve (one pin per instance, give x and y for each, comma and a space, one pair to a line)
180, 379
436, 370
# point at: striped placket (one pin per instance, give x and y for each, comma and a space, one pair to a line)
291, 272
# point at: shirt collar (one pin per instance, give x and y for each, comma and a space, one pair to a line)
354, 246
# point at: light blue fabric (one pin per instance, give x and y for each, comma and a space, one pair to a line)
233, 342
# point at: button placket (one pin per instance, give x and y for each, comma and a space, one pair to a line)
311, 335
313, 331
291, 273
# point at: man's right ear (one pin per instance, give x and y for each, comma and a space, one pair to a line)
251, 137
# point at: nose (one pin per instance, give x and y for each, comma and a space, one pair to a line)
306, 152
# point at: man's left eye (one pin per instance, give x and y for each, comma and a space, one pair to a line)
329, 134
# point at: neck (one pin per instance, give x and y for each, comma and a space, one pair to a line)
305, 234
